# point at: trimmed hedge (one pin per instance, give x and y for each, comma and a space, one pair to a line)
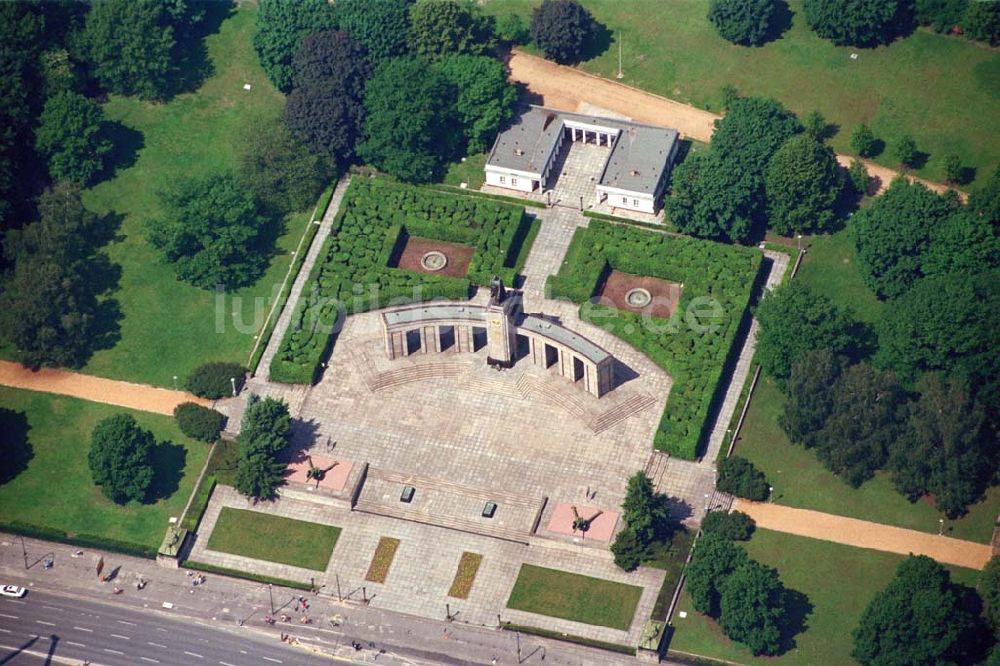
731, 525
695, 359
738, 476
352, 274
236, 573
199, 422
84, 540
212, 380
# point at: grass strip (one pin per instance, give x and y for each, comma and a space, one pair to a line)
378, 570
468, 566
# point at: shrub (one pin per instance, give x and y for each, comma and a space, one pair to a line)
857, 22
739, 477
561, 28
733, 525
743, 22
906, 151
199, 422
863, 141
214, 380
121, 458
982, 21
858, 175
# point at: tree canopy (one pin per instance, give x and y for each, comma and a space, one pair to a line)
381, 26
893, 233
713, 560
408, 129
803, 181
738, 476
561, 29
752, 607
264, 433
711, 200
984, 201
647, 518
121, 458
485, 98
281, 27
745, 22
443, 27
212, 232
793, 320
753, 130
989, 590
70, 137
857, 22
278, 169
917, 619
810, 401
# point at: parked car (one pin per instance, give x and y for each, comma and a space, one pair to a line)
12, 591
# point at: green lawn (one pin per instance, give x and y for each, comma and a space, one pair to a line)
273, 538
830, 268
839, 582
469, 172
55, 490
169, 327
941, 90
574, 597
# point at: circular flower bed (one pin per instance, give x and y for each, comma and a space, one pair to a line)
434, 261
638, 297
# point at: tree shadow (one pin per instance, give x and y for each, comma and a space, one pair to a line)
126, 143
597, 42
168, 466
919, 160
193, 62
17, 449
781, 20
797, 609
679, 509
828, 131
877, 148
966, 175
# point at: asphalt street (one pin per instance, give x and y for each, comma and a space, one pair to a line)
62, 629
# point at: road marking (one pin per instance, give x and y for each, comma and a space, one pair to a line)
226, 663
47, 624
193, 654
113, 651
75, 644
5, 631
277, 661
161, 629
131, 624
155, 644
152, 661
52, 608
126, 638
12, 617
89, 631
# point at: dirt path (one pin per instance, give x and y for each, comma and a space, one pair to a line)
570, 89
863, 534
124, 394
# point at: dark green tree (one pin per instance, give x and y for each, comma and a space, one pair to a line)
738, 476
199, 422
714, 559
215, 380
753, 130
893, 233
629, 552
70, 137
942, 15
121, 458
752, 609
381, 26
793, 320
982, 21
731, 525
647, 516
442, 27
906, 151
16, 449
962, 244
212, 232
866, 418
130, 46
917, 619
485, 98
857, 22
561, 29
953, 168
264, 433
512, 29
803, 182
984, 201
712, 200
989, 590
863, 141
745, 22
48, 307
858, 177
816, 126
281, 27
278, 169
810, 401
326, 108
410, 111
947, 450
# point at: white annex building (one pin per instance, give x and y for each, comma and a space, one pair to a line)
633, 176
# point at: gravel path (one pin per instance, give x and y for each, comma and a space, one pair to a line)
112, 392
864, 534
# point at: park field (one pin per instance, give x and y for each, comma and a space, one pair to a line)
55, 489
168, 327
839, 582
941, 90
265, 537
574, 597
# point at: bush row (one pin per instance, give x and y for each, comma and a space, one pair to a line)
82, 540
694, 358
352, 274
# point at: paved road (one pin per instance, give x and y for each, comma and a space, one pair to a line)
69, 630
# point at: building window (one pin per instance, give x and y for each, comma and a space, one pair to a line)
513, 182
624, 201
635, 202
503, 180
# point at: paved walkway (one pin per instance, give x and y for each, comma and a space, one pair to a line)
278, 335
864, 534
571, 89
98, 389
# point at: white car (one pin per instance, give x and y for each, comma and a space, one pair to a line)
12, 591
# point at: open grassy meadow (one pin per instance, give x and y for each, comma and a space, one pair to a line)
839, 582
941, 90
574, 597
55, 489
273, 538
168, 327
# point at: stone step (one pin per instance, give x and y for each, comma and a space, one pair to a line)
438, 520
629, 407
415, 373
499, 496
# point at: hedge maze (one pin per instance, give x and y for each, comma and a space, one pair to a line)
693, 346
353, 273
